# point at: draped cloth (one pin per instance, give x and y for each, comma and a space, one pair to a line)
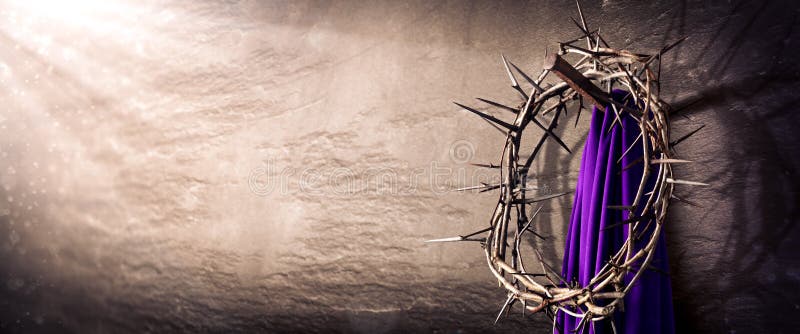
602, 182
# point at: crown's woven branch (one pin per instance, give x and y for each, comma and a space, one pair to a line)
599, 66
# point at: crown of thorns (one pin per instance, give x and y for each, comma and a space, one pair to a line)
589, 80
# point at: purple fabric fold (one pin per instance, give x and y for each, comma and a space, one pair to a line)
603, 182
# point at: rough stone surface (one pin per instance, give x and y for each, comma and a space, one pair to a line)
249, 166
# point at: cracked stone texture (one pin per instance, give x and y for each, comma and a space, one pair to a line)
249, 166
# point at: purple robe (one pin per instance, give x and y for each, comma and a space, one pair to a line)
602, 182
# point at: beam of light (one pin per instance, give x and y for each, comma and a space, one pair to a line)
94, 17
66, 69
90, 90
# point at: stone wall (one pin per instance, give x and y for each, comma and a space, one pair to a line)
250, 166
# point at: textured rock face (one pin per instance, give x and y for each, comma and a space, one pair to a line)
248, 166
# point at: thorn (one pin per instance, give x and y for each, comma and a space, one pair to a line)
597, 40
445, 239
674, 44
511, 77
488, 117
661, 53
581, 327
483, 186
522, 92
515, 111
582, 36
629, 220
584, 31
617, 119
538, 199
527, 78
508, 303
538, 147
631, 164
580, 13
669, 161
495, 126
691, 183
453, 239
514, 82
600, 37
536, 213
551, 134
537, 234
524, 307
525, 228
658, 270
630, 147
488, 188
485, 165
479, 232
